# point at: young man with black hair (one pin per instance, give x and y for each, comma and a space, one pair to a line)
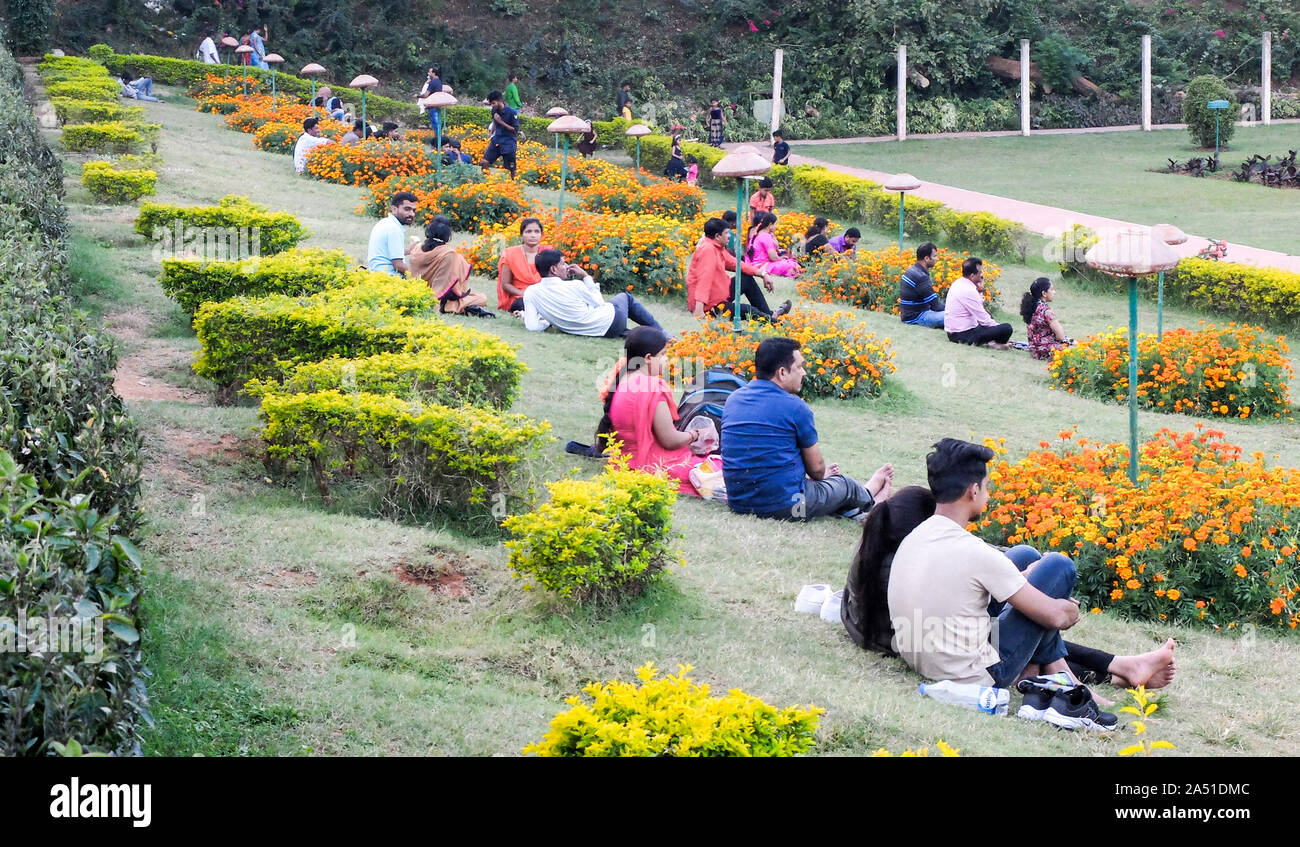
780, 149
964, 317
918, 304
771, 460
710, 279
964, 611
309, 139
845, 242
387, 250
505, 132
576, 306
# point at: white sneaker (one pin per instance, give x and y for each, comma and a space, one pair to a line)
831, 608
811, 599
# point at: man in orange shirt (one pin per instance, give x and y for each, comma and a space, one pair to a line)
762, 200
711, 277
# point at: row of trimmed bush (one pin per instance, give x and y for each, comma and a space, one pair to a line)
840, 195
69, 475
277, 231
114, 182
86, 102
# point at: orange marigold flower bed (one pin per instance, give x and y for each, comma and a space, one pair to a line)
469, 206
1176, 544
369, 161
868, 279
1233, 371
841, 357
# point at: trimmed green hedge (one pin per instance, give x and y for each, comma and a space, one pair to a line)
111, 137
109, 184
278, 231
193, 282
72, 111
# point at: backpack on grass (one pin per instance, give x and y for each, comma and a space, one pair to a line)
706, 396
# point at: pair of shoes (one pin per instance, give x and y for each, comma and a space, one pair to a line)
1047, 699
811, 599
480, 312
830, 611
782, 310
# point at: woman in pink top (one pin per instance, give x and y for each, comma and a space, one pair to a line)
764, 252
640, 412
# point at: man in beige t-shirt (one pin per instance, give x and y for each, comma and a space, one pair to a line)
946, 585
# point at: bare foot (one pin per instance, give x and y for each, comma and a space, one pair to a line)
1101, 701
881, 483
1153, 669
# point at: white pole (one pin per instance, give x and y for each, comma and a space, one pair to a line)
1024, 87
776, 90
902, 92
1146, 83
1266, 96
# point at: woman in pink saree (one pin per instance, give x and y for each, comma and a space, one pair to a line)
764, 251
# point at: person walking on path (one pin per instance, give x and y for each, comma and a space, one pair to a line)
717, 124
258, 56
207, 53
780, 149
505, 132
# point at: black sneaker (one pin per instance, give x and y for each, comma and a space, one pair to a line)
782, 310
1037, 700
1075, 709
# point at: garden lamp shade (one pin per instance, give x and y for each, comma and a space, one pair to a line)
902, 182
447, 88
243, 48
273, 58
438, 99
637, 130
742, 162
363, 81
568, 124
1131, 253
229, 41
745, 148
556, 112
312, 69
1169, 234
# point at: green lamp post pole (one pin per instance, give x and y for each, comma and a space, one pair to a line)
902, 183
564, 172
741, 185
1160, 306
364, 123
1172, 236
1132, 380
902, 207
565, 125
273, 59
1219, 106
314, 113
638, 162
241, 51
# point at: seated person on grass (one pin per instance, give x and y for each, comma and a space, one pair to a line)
710, 279
640, 411
845, 242
517, 267
576, 306
309, 140
771, 461
918, 304
447, 272
1046, 335
962, 610
387, 250
964, 317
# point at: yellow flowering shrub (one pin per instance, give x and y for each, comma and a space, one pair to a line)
946, 751
675, 716
1205, 535
597, 539
109, 183
277, 231
868, 279
1234, 371
842, 358
193, 282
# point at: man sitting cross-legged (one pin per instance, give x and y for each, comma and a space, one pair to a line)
963, 611
710, 279
771, 460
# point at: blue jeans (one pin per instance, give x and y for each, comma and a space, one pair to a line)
626, 307
144, 89
433, 119
929, 319
1019, 640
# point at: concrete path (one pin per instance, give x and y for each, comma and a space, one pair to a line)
1044, 220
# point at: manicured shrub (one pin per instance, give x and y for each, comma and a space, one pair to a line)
109, 184
1235, 372
1206, 536
100, 88
603, 538
193, 282
72, 111
100, 52
110, 137
674, 716
433, 377
277, 231
868, 279
983, 232
262, 338
422, 458
1242, 291
1200, 119
842, 358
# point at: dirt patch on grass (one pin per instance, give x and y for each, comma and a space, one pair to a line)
143, 359
443, 572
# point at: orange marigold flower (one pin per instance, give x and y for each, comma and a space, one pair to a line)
1174, 594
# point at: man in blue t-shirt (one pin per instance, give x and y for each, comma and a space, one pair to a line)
771, 461
505, 130
387, 250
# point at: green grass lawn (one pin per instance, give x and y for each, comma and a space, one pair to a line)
1105, 174
276, 625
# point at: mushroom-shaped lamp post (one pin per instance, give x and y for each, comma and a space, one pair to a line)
1218, 107
229, 41
1132, 253
741, 163
244, 49
553, 113
273, 59
363, 82
312, 70
637, 131
565, 125
902, 183
1173, 236
438, 100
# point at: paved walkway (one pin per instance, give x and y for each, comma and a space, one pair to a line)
1044, 220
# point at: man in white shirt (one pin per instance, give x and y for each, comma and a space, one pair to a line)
947, 588
387, 250
309, 139
576, 306
208, 50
